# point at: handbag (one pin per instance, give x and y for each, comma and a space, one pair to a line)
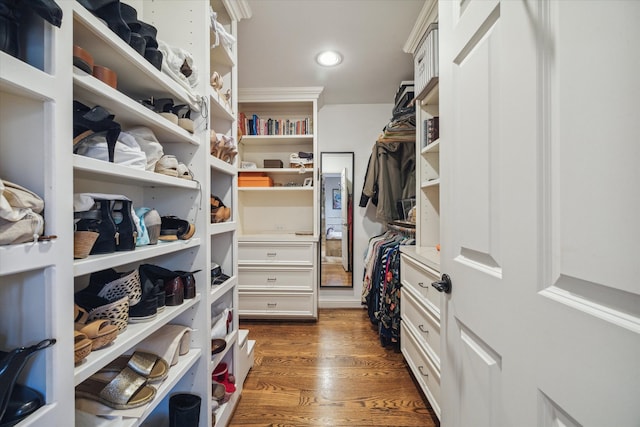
21, 218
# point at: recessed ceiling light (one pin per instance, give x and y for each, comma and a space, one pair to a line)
329, 58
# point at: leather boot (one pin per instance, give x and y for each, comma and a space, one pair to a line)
125, 226
99, 219
184, 410
9, 27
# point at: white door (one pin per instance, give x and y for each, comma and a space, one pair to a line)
540, 211
344, 215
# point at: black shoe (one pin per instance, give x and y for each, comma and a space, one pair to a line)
109, 11
98, 219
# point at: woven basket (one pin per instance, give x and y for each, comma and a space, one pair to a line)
117, 313
126, 286
83, 242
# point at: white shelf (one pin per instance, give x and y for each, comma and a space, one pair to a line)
280, 170
27, 257
434, 147
134, 333
128, 112
219, 107
222, 166
89, 168
222, 227
230, 339
176, 373
430, 183
279, 139
100, 262
136, 76
278, 189
20, 78
221, 55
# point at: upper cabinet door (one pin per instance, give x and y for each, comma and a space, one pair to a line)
539, 148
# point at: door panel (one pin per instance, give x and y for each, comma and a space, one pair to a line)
539, 154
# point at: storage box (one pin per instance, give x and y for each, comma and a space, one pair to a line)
255, 181
272, 163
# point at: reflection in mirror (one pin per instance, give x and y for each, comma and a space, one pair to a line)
336, 219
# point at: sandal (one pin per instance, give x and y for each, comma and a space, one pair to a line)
124, 391
147, 365
174, 228
169, 342
81, 346
183, 113
100, 332
216, 81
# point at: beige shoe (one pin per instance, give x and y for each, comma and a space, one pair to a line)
167, 165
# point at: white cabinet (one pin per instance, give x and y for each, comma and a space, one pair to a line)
420, 264
36, 291
277, 206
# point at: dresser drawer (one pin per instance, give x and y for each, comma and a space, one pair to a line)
277, 278
273, 305
419, 278
422, 367
423, 323
276, 252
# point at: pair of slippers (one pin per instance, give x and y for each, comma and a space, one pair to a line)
90, 336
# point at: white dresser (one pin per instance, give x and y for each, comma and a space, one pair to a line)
420, 324
278, 279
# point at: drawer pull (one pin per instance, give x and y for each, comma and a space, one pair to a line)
271, 279
423, 286
424, 374
272, 254
272, 304
422, 329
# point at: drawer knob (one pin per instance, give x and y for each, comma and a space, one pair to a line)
443, 285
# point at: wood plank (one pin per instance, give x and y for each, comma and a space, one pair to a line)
332, 372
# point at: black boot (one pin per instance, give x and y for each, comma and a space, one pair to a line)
184, 410
125, 227
11, 366
109, 12
98, 219
9, 27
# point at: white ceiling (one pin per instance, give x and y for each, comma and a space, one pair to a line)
278, 44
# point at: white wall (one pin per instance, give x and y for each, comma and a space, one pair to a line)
353, 127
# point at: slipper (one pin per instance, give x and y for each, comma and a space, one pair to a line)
124, 391
100, 332
81, 346
151, 367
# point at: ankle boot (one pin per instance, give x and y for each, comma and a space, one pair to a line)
184, 410
11, 366
98, 219
125, 226
109, 11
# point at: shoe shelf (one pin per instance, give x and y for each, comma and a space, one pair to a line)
136, 76
89, 168
222, 166
128, 338
294, 171
20, 78
218, 290
221, 55
219, 106
222, 227
176, 373
430, 183
27, 257
91, 91
230, 339
95, 263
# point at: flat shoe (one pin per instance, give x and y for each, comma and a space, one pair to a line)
217, 345
147, 365
124, 391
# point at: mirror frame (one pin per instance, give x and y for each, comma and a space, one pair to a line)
321, 217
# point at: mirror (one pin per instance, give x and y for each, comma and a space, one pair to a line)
336, 219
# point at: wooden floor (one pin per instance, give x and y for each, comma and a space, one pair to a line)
333, 372
333, 274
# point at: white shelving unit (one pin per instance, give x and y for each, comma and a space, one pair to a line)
420, 264
36, 295
278, 243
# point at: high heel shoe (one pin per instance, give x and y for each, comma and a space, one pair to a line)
11, 366
109, 11
96, 119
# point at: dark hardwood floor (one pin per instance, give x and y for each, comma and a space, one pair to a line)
333, 372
